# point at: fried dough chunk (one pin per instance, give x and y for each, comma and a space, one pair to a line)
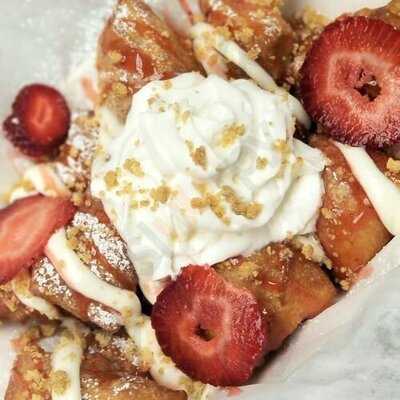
112, 368
96, 242
349, 228
258, 27
137, 47
389, 13
11, 309
307, 27
30, 376
289, 288
389, 167
108, 371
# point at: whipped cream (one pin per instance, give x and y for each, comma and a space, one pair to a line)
204, 170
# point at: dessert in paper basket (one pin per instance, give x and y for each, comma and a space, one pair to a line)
219, 173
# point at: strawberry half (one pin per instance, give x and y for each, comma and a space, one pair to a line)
39, 122
351, 81
213, 331
25, 228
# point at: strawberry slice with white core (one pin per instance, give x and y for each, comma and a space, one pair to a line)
39, 122
25, 228
213, 331
351, 82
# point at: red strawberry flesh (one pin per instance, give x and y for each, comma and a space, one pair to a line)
40, 120
351, 81
25, 228
213, 331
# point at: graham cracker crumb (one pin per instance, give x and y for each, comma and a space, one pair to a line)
249, 210
393, 165
261, 163
59, 382
134, 167
111, 180
115, 57
199, 157
230, 134
161, 194
103, 338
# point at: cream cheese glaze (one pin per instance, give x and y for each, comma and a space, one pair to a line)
66, 362
203, 170
381, 191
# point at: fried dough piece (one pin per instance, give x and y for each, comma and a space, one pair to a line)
349, 228
388, 166
289, 288
108, 371
390, 13
74, 162
307, 29
135, 48
101, 249
258, 27
11, 309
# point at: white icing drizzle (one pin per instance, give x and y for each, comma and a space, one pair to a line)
66, 360
205, 33
209, 58
138, 326
44, 180
381, 191
20, 285
82, 280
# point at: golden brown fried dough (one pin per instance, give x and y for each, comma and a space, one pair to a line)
108, 371
390, 13
11, 309
289, 288
30, 377
111, 369
349, 228
96, 242
258, 27
137, 47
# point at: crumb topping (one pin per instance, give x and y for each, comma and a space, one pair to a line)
59, 382
134, 167
111, 180
249, 210
230, 134
393, 165
199, 156
261, 163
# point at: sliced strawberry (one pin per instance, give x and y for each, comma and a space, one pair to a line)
213, 331
351, 81
25, 228
39, 122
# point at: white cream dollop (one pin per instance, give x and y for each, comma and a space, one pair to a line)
204, 170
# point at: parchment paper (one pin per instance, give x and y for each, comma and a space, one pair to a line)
350, 352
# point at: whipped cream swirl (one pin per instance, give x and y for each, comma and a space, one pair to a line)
204, 170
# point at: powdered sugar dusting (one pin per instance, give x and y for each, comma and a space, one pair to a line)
110, 246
